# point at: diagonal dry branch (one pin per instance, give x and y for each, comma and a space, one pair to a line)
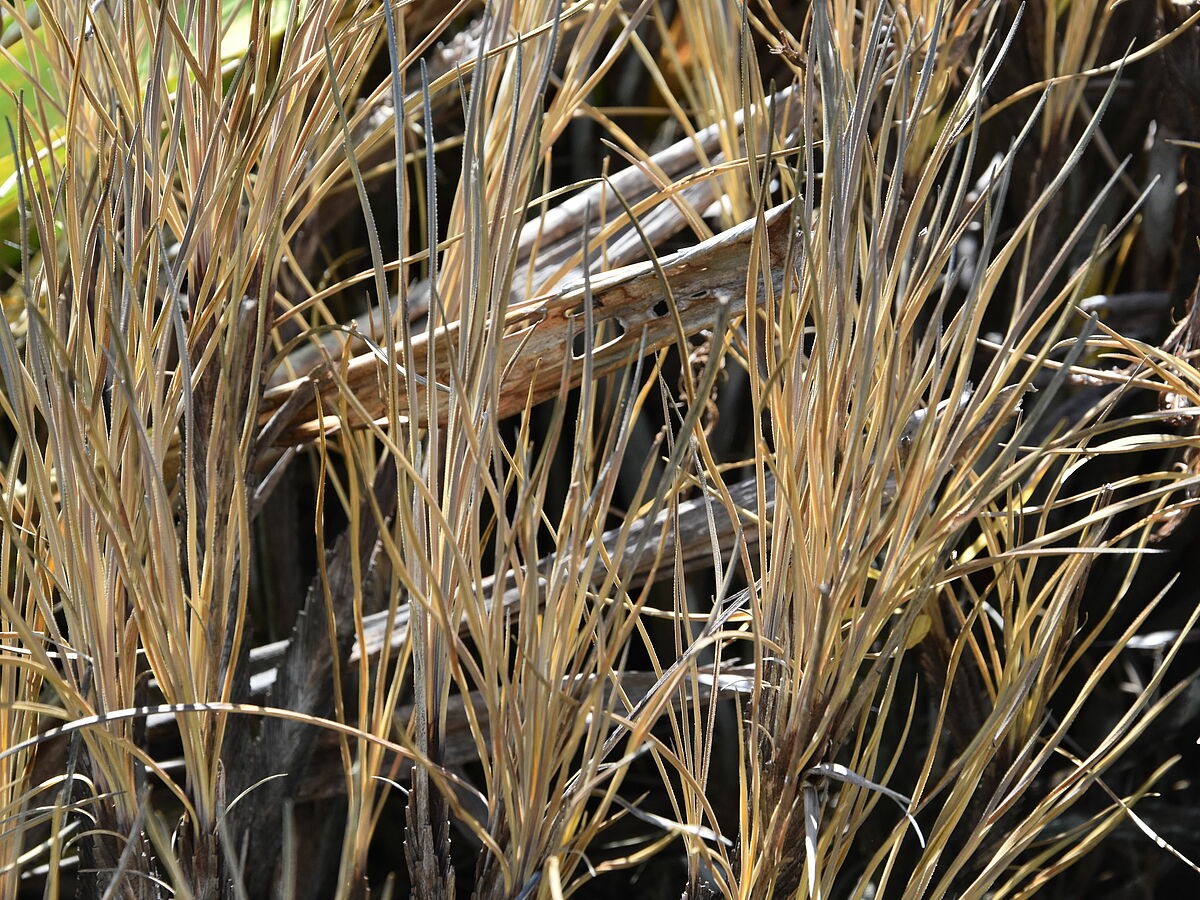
676, 187
642, 550
645, 549
679, 180
684, 530
537, 346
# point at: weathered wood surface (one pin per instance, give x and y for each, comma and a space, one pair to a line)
675, 188
536, 353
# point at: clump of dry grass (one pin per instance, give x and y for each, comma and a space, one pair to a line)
396, 497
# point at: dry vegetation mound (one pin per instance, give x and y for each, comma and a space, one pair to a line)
599, 448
